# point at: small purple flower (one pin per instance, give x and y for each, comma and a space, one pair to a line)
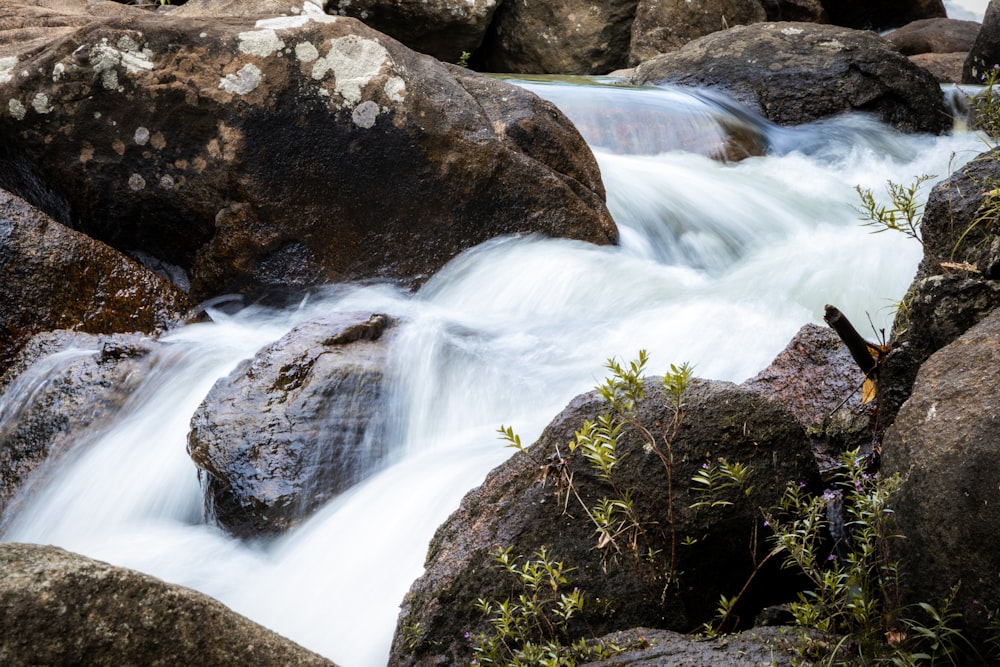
802, 485
766, 522
466, 635
830, 557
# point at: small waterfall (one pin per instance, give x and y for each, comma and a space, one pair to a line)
721, 263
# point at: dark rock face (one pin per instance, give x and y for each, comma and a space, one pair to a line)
277, 154
59, 608
882, 14
294, 426
47, 402
985, 52
808, 11
945, 437
944, 302
772, 646
799, 72
443, 28
559, 37
935, 36
662, 26
54, 278
516, 507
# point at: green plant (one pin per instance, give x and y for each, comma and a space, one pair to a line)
532, 628
902, 215
463, 60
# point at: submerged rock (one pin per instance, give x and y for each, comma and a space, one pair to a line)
277, 153
525, 504
292, 427
60, 608
54, 278
799, 72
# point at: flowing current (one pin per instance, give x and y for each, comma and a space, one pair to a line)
720, 264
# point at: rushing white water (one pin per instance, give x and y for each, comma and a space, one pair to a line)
720, 265
966, 10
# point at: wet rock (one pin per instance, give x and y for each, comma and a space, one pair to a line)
985, 52
800, 72
882, 14
54, 278
292, 427
559, 37
518, 507
945, 439
956, 285
65, 387
662, 26
59, 608
935, 36
278, 154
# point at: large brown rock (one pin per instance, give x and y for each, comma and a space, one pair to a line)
277, 153
662, 26
882, 14
945, 439
935, 36
59, 608
985, 52
518, 507
65, 387
559, 37
799, 72
54, 278
292, 427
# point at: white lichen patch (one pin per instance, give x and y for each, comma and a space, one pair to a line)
395, 89
16, 109
791, 32
354, 62
7, 65
57, 72
365, 114
105, 59
40, 103
243, 81
306, 52
167, 182
260, 43
141, 136
136, 182
833, 45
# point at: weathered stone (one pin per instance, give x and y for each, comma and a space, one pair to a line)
662, 26
935, 36
559, 37
441, 28
799, 72
985, 52
294, 426
774, 647
518, 506
54, 278
945, 439
944, 301
279, 153
59, 608
945, 67
881, 14
63, 384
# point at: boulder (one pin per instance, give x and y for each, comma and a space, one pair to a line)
60, 608
771, 646
525, 504
816, 378
444, 29
935, 36
662, 26
97, 289
985, 52
945, 439
945, 67
558, 37
882, 14
800, 72
956, 284
63, 387
278, 153
292, 427
806, 11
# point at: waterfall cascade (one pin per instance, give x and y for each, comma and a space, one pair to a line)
720, 264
